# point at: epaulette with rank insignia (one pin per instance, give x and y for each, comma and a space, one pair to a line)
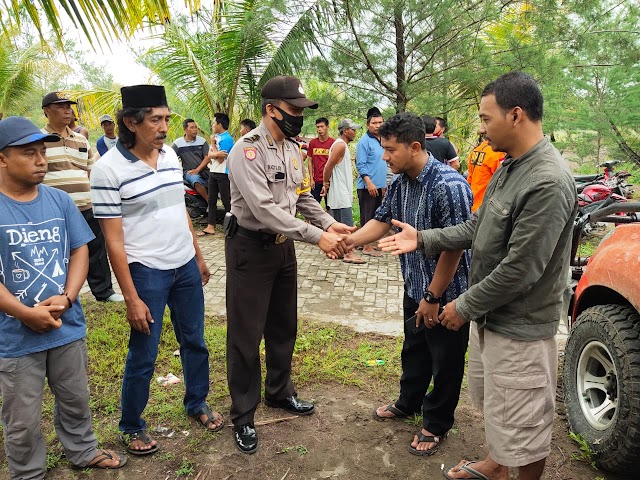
252, 138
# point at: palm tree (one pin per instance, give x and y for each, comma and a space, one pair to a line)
223, 66
98, 19
20, 70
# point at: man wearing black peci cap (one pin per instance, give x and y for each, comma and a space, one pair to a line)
43, 264
139, 199
268, 183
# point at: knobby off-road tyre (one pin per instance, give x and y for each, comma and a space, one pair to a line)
602, 384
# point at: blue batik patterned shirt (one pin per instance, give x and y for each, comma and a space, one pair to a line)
439, 197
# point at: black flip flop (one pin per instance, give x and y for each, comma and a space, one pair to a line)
97, 462
466, 468
390, 408
210, 419
437, 439
127, 438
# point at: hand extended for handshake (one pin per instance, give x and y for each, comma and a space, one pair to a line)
335, 242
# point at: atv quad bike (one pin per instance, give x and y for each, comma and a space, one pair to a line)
601, 375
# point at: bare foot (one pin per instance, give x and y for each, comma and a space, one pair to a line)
489, 469
424, 446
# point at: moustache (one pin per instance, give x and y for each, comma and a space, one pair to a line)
161, 136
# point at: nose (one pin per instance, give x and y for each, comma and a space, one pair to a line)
41, 158
482, 130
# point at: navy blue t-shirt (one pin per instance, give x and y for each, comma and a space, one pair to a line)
36, 239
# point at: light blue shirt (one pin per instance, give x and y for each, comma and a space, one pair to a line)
369, 162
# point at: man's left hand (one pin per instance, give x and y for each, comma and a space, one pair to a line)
193, 171
341, 229
204, 271
60, 300
427, 313
450, 318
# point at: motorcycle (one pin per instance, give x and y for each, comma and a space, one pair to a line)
616, 181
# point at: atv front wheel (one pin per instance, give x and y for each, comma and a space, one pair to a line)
602, 384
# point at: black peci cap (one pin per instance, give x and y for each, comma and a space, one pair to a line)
143, 96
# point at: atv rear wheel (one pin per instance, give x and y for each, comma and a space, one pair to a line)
601, 388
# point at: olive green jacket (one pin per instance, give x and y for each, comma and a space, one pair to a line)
521, 243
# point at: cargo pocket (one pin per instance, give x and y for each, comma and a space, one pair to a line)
520, 400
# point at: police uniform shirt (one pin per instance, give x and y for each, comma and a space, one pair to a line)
269, 183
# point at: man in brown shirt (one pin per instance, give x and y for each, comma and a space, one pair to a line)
70, 161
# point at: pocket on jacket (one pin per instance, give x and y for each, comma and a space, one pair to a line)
519, 401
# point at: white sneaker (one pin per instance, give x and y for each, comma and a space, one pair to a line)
116, 297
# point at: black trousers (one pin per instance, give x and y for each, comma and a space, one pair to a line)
316, 191
436, 354
218, 183
99, 276
368, 204
261, 301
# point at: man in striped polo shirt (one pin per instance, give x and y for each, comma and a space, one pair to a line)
139, 198
69, 166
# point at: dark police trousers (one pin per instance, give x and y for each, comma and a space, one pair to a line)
435, 353
261, 300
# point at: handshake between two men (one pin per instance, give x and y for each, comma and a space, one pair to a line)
340, 239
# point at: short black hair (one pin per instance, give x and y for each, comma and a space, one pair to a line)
266, 101
442, 122
405, 127
186, 122
517, 89
429, 124
375, 115
322, 120
222, 119
126, 136
247, 122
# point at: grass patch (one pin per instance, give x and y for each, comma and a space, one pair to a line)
324, 354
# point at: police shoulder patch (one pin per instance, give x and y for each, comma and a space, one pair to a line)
250, 153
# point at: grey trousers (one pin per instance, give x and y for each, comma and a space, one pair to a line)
21, 388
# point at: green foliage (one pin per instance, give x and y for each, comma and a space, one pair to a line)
586, 453
299, 449
186, 468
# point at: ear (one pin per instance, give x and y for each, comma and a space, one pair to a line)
128, 122
3, 161
517, 115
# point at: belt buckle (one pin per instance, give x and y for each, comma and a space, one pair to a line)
280, 238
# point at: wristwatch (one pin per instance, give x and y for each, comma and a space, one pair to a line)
431, 298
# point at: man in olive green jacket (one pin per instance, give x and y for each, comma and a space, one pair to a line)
520, 242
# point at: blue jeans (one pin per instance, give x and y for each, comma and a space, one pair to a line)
181, 290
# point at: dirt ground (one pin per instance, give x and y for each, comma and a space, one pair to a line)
341, 441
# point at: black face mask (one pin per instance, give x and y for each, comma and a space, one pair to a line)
290, 125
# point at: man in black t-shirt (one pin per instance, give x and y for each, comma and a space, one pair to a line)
439, 147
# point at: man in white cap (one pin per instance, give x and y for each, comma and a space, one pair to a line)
337, 183
109, 139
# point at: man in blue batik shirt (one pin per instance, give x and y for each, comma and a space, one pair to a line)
431, 195
44, 261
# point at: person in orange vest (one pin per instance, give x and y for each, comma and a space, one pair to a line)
483, 162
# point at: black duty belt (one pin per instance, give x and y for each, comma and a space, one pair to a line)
263, 237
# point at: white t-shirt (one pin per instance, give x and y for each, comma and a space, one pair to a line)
150, 203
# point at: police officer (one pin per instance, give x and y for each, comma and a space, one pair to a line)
268, 183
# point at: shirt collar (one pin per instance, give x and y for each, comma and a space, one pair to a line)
423, 173
126, 153
509, 161
68, 131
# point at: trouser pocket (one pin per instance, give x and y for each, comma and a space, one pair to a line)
519, 400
